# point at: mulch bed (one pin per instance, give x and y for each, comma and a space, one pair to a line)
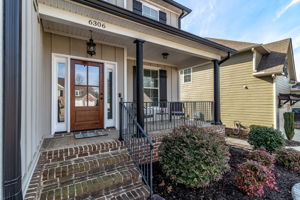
224, 189
292, 143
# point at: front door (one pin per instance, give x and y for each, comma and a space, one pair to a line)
87, 80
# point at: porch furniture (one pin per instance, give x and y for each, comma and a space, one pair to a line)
198, 116
176, 109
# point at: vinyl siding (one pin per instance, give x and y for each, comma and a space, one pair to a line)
34, 122
172, 79
249, 106
201, 87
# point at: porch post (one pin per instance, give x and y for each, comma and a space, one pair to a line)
12, 185
139, 82
217, 112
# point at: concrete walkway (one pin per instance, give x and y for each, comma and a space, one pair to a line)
246, 145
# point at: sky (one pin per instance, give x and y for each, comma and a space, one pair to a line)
257, 21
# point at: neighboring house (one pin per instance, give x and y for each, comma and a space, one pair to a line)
251, 81
72, 60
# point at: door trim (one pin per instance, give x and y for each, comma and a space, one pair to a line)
107, 64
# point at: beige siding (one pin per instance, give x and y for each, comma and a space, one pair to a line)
253, 105
249, 106
172, 79
201, 87
35, 91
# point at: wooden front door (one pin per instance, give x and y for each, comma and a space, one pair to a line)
87, 94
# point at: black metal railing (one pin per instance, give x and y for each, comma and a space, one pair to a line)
138, 142
169, 115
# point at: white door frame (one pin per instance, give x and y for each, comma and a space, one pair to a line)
108, 65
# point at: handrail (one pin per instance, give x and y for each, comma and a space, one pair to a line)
138, 143
140, 128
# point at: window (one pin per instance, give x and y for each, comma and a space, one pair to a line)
150, 12
109, 94
61, 68
186, 75
151, 87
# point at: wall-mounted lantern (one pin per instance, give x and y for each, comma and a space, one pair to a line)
165, 55
91, 46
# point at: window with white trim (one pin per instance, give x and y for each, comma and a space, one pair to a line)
150, 12
151, 85
186, 75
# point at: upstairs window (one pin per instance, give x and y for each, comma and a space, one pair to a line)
186, 75
150, 12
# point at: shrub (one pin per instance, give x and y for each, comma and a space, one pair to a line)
265, 137
289, 125
193, 157
262, 157
253, 177
288, 158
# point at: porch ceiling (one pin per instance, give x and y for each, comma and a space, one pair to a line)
152, 52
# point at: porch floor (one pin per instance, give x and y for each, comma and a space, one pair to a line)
65, 140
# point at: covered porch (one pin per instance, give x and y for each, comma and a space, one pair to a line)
139, 65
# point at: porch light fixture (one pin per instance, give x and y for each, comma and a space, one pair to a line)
165, 55
91, 46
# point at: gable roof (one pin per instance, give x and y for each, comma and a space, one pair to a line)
275, 61
274, 56
236, 45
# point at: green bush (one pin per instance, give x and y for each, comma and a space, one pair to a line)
193, 157
289, 126
265, 137
288, 158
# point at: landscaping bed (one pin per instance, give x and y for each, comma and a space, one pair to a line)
225, 189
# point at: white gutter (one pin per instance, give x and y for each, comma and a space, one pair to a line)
261, 74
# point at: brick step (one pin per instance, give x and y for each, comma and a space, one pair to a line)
137, 191
59, 155
94, 186
64, 171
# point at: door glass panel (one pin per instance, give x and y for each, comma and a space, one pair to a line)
80, 96
93, 74
61, 92
93, 96
109, 95
80, 74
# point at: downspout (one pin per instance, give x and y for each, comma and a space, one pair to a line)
179, 19
12, 183
225, 59
217, 104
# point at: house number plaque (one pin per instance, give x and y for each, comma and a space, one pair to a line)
97, 24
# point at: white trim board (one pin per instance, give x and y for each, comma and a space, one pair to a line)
107, 64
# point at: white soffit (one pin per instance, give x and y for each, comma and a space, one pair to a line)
79, 15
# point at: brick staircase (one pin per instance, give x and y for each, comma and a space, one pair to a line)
97, 171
